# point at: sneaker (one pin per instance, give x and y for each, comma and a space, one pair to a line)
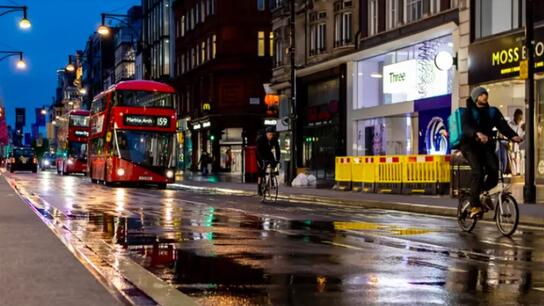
475, 211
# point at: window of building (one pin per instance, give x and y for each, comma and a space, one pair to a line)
343, 29
203, 51
260, 44
197, 51
403, 75
260, 5
182, 61
271, 44
392, 8
317, 38
193, 58
418, 9
197, 13
209, 48
278, 53
202, 10
214, 46
373, 17
212, 4
182, 24
497, 16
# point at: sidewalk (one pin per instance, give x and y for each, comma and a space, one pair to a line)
433, 205
35, 267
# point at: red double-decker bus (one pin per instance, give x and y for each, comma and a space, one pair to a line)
72, 140
132, 140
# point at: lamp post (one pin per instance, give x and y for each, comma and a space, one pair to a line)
529, 190
21, 64
24, 23
105, 30
293, 110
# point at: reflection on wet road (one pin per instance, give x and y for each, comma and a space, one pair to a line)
225, 250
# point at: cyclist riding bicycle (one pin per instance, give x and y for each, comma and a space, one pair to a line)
478, 146
265, 157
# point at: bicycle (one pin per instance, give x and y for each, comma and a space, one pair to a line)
269, 184
504, 204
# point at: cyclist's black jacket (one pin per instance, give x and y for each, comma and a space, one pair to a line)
485, 124
264, 149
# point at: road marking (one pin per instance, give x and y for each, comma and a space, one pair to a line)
539, 289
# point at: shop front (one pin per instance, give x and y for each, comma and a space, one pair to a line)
322, 130
495, 64
401, 101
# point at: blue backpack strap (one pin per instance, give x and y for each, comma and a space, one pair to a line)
475, 115
493, 112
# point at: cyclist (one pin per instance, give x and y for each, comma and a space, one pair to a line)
478, 147
265, 144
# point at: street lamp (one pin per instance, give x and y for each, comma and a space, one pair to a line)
21, 64
105, 30
70, 67
24, 23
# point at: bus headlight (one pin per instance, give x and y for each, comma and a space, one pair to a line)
120, 172
170, 174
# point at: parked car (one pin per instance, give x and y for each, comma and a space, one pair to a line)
22, 158
47, 161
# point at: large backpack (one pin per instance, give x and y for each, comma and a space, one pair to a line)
455, 124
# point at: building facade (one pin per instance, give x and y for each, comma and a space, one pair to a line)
156, 54
97, 60
126, 43
223, 59
325, 31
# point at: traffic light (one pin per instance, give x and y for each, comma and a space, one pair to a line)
212, 137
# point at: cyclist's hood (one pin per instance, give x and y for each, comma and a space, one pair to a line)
472, 104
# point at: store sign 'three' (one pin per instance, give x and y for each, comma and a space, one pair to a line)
414, 79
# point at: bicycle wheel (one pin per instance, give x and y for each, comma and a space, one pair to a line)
274, 188
264, 189
466, 223
507, 215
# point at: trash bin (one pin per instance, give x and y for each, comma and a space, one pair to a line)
250, 173
460, 174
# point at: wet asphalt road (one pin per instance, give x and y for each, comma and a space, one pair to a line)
230, 250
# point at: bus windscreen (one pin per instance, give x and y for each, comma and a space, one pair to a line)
79, 121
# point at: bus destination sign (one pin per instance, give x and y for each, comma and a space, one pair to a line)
150, 121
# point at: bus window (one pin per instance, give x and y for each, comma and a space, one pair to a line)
143, 99
97, 106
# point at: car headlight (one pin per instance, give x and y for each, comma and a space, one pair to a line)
120, 172
170, 174
70, 162
46, 162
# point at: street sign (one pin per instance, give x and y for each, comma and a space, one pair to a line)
524, 69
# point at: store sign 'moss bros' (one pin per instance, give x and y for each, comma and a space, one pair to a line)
498, 58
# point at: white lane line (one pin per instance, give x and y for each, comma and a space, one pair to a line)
539, 288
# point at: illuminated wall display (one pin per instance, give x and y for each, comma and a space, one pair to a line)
206, 124
414, 79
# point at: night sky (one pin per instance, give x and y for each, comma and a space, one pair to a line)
59, 27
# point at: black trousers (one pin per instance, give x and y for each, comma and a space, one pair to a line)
484, 166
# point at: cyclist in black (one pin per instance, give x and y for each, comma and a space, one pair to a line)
265, 144
478, 147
